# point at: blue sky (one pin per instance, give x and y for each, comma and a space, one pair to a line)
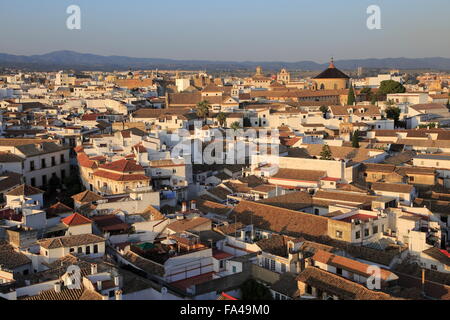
237, 30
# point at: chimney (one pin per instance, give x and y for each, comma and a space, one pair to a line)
94, 268
193, 204
119, 295
57, 287
99, 285
117, 281
184, 206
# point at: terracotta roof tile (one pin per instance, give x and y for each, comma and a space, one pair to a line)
75, 219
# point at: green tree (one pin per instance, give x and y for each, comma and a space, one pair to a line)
253, 290
326, 153
351, 97
235, 125
368, 92
324, 110
203, 109
53, 184
221, 118
355, 139
374, 100
390, 103
393, 113
431, 125
391, 86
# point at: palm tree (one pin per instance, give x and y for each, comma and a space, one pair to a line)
222, 118
235, 125
203, 109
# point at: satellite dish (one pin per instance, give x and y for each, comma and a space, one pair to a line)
163, 290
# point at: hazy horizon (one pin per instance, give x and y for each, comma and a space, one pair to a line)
238, 31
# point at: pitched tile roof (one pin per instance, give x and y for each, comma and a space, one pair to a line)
230, 229
392, 187
120, 177
349, 264
299, 175
10, 157
66, 294
336, 285
10, 180
11, 259
286, 285
110, 222
76, 219
206, 207
122, 165
87, 196
276, 245
280, 220
292, 201
24, 190
153, 213
442, 256
187, 224
70, 241
355, 154
57, 209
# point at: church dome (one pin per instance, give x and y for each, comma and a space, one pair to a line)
332, 73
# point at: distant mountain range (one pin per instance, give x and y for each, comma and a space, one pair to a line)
84, 61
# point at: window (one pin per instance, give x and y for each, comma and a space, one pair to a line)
358, 234
80, 250
339, 271
62, 160
433, 267
277, 296
234, 269
339, 234
411, 179
316, 212
272, 265
72, 249
375, 229
43, 163
283, 268
53, 161
111, 293
88, 249
366, 232
44, 180
33, 182
174, 170
31, 165
95, 248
